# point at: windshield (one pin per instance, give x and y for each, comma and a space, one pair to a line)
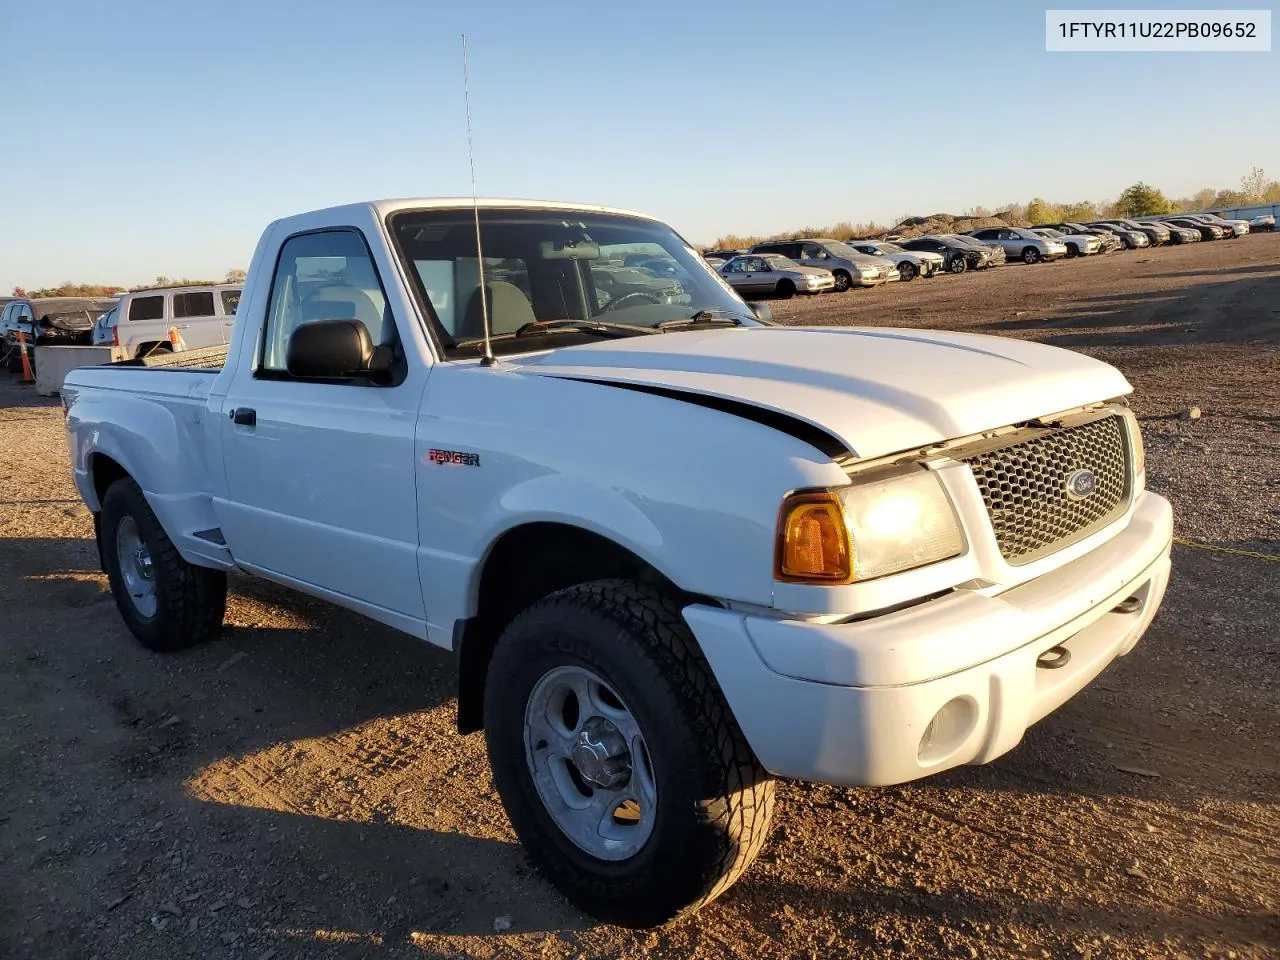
1048, 232
777, 261
546, 270
838, 249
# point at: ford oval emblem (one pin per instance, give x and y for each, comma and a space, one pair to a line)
1081, 484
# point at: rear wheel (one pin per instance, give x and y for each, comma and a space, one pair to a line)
786, 289
1030, 255
618, 761
907, 270
843, 280
167, 603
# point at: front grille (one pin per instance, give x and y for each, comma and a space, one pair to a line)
1024, 486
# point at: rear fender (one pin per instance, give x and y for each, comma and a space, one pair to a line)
162, 450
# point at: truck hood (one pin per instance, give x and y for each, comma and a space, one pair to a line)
878, 391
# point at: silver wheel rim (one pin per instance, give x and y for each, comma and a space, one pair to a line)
136, 569
590, 764
1031, 256
906, 271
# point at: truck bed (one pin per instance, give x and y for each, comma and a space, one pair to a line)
204, 358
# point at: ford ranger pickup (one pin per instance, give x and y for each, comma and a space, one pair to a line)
680, 551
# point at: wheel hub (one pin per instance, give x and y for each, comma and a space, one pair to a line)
601, 756
142, 563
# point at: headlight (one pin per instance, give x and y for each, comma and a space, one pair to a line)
873, 528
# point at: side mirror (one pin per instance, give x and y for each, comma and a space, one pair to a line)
762, 311
335, 350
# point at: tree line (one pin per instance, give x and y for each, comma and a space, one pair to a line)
70, 289
1138, 200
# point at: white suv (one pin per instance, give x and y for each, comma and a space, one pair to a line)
140, 321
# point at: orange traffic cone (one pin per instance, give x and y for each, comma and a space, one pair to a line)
28, 377
175, 339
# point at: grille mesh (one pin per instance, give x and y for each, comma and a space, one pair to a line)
1024, 486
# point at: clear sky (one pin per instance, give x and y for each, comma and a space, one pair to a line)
143, 138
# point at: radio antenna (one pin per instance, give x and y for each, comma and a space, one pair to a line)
488, 358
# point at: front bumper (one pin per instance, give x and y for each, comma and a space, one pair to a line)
863, 703
822, 286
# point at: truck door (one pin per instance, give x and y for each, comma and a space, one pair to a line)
321, 487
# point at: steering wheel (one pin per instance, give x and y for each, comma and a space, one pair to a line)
629, 299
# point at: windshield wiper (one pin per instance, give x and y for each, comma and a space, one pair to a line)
712, 317
539, 327
599, 327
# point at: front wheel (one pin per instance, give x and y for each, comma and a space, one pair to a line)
618, 761
906, 271
786, 289
958, 265
843, 281
1072, 251
167, 603
1031, 255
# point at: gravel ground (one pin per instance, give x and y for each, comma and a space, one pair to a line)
296, 789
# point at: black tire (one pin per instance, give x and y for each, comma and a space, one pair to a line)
907, 271
958, 265
1030, 255
147, 349
1072, 251
785, 289
843, 280
190, 601
14, 361
714, 799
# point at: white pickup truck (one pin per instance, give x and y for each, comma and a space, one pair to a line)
678, 550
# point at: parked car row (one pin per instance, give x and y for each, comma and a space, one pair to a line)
815, 265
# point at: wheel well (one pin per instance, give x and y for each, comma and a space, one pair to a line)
104, 472
525, 565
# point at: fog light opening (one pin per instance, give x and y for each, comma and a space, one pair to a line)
948, 730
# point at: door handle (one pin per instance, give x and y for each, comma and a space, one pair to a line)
245, 416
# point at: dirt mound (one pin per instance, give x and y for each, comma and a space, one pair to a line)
947, 223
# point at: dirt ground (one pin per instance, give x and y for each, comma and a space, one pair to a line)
296, 789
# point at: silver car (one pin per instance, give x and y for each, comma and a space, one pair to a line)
1078, 244
911, 264
771, 273
1021, 243
850, 268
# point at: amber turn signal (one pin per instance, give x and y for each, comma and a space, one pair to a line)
813, 541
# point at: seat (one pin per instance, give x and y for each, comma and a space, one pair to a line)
509, 310
341, 302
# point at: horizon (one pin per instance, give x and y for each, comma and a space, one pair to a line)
573, 104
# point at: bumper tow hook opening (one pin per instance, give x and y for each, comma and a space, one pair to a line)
1053, 658
1132, 605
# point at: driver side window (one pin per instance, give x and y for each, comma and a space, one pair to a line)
328, 275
